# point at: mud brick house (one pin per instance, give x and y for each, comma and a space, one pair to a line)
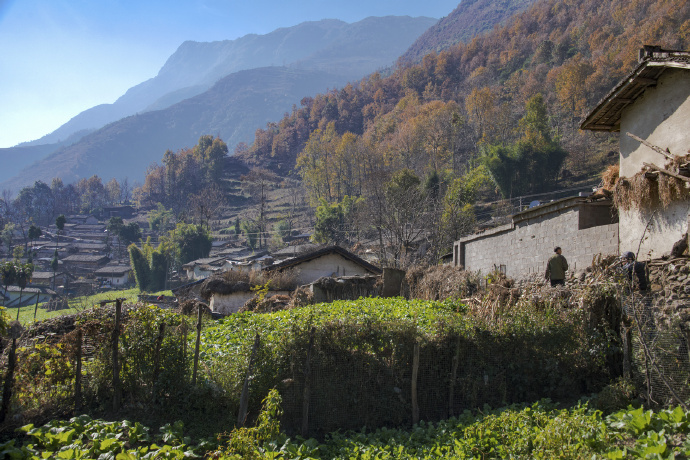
653, 104
329, 261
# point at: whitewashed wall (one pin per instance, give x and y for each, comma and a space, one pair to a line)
226, 304
662, 117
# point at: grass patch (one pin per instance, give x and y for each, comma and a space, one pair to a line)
77, 304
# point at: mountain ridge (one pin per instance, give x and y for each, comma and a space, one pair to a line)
399, 31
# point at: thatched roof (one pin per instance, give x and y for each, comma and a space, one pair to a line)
220, 285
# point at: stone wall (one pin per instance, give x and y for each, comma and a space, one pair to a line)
227, 304
525, 245
329, 289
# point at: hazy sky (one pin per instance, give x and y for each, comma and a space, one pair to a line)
60, 57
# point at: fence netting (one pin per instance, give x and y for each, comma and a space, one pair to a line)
343, 376
659, 350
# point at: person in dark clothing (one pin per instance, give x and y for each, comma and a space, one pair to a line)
638, 269
556, 268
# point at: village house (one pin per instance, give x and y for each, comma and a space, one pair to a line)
652, 103
48, 279
318, 269
115, 276
84, 264
29, 296
203, 268
331, 261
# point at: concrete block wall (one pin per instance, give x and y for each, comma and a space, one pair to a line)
525, 247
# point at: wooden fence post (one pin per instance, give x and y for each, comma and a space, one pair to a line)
307, 385
157, 357
453, 378
183, 348
244, 397
627, 351
415, 373
36, 307
116, 362
9, 380
198, 345
77, 375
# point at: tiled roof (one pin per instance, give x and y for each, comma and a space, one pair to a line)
320, 253
84, 258
606, 116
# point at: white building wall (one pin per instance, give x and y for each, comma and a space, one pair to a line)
662, 117
653, 232
327, 265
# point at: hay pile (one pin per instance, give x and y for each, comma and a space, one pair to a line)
645, 192
439, 282
243, 281
610, 177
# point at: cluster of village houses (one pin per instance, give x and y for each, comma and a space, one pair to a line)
85, 260
652, 102
91, 260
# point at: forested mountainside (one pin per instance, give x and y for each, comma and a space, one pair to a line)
431, 145
471, 18
460, 104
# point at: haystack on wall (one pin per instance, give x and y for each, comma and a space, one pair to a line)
582, 230
660, 116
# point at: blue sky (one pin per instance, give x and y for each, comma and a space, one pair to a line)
60, 57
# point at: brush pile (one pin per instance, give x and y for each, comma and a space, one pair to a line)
652, 186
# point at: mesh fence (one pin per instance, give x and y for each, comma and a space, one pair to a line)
350, 388
346, 376
659, 351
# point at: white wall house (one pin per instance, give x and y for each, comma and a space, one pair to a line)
653, 103
114, 275
29, 295
330, 261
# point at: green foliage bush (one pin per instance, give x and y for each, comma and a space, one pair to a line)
361, 361
362, 354
140, 267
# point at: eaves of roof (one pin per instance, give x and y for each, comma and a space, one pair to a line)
606, 116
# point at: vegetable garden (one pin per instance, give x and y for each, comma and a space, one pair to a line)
350, 376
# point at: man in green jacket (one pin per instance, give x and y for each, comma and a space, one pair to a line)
556, 268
